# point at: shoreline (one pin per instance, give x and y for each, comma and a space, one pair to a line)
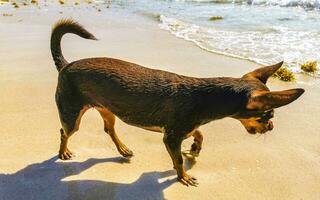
99, 10
232, 165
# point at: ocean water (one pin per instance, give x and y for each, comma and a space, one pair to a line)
263, 31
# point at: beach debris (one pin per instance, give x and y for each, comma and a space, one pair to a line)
61, 2
157, 17
216, 18
310, 66
7, 15
15, 5
284, 74
35, 2
109, 3
76, 3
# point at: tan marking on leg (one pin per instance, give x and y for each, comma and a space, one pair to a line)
153, 128
109, 122
190, 134
196, 146
66, 133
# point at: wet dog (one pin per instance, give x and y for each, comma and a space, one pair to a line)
157, 100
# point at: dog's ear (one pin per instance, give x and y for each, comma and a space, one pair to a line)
265, 100
263, 73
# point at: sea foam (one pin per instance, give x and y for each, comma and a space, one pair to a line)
264, 47
286, 3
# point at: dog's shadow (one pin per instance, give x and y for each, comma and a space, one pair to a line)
44, 181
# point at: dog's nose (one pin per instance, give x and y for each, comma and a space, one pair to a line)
270, 125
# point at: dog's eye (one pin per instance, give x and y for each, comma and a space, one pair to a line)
272, 114
259, 120
268, 114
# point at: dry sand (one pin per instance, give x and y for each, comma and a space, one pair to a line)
284, 164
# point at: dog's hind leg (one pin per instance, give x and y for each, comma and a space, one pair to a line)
71, 110
70, 120
109, 121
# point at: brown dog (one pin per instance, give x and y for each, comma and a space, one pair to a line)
158, 100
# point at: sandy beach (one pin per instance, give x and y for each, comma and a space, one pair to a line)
283, 164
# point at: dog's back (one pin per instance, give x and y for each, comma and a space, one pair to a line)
138, 95
132, 92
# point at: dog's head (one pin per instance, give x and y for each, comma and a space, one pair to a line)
261, 102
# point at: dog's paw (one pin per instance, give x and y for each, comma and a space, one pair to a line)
65, 155
125, 151
188, 180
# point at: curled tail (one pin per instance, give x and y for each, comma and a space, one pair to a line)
60, 28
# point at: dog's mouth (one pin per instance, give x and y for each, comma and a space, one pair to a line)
263, 129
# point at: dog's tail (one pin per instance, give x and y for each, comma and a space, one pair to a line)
60, 28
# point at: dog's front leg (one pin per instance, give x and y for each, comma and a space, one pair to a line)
173, 144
